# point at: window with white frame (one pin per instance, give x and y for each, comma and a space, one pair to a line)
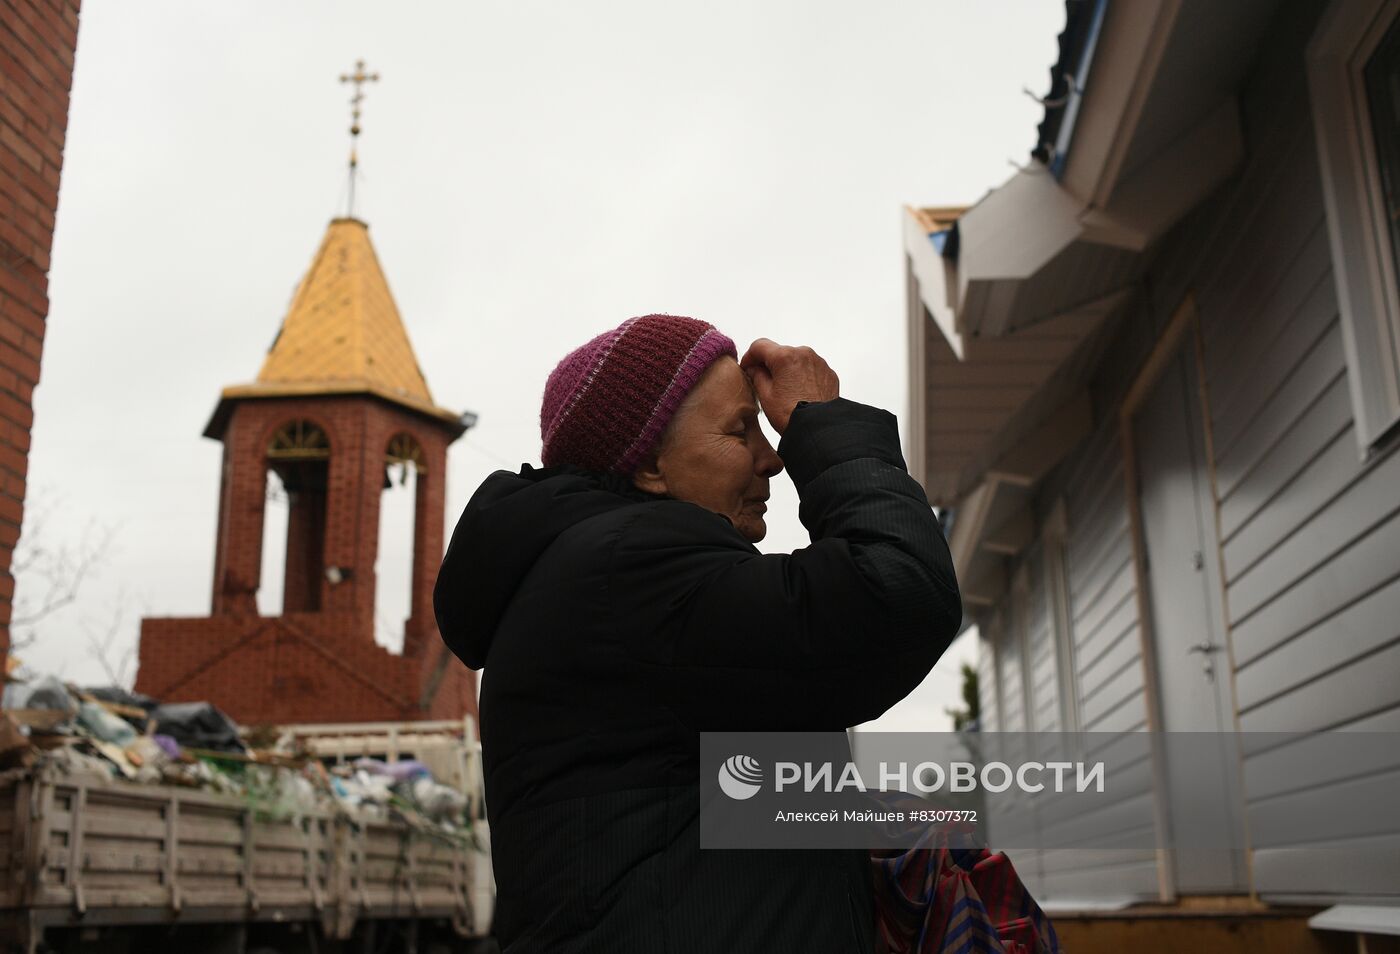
1354, 80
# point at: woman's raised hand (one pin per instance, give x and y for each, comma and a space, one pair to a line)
783, 375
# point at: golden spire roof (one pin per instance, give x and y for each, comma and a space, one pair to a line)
342, 333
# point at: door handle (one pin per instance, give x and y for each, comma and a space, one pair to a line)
1207, 651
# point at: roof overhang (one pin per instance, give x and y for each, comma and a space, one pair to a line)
218, 421
1010, 301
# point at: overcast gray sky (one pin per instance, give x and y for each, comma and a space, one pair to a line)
533, 173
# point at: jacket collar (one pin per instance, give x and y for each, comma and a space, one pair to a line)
615, 483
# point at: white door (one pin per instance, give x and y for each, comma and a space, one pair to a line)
1186, 628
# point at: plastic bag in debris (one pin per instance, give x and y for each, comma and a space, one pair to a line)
148, 759
168, 745
72, 762
197, 725
401, 771
439, 802
105, 726
47, 692
206, 776
363, 790
281, 793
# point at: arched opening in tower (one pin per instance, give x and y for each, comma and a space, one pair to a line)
398, 517
274, 547
298, 468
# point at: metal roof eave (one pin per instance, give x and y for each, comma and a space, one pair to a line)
932, 260
1069, 77
974, 399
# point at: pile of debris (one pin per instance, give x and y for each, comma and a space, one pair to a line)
110, 732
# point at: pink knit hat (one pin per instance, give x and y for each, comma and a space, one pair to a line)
606, 404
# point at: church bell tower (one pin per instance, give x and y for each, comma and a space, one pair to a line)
339, 406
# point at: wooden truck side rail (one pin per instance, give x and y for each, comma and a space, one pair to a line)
87, 851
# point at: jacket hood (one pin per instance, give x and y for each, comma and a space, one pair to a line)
507, 525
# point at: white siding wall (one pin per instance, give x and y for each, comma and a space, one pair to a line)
1310, 534
1103, 613
1103, 589
1040, 644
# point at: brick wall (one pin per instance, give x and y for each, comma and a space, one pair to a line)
300, 667
37, 42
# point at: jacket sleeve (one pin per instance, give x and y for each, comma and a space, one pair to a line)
828, 636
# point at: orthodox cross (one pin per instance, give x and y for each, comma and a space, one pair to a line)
359, 78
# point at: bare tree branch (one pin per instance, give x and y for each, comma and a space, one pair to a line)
50, 573
55, 570
117, 663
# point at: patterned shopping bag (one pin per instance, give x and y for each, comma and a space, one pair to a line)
933, 899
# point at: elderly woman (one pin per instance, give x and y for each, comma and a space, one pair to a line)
620, 608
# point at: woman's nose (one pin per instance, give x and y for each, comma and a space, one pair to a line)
767, 463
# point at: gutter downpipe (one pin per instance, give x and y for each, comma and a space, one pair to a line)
1077, 83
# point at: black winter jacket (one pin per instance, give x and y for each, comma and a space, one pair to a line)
615, 625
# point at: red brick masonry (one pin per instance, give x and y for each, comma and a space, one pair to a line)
37, 42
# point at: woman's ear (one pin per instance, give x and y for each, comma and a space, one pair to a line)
648, 476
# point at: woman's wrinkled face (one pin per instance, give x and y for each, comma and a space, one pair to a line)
714, 452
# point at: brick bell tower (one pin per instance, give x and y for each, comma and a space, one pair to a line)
339, 405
